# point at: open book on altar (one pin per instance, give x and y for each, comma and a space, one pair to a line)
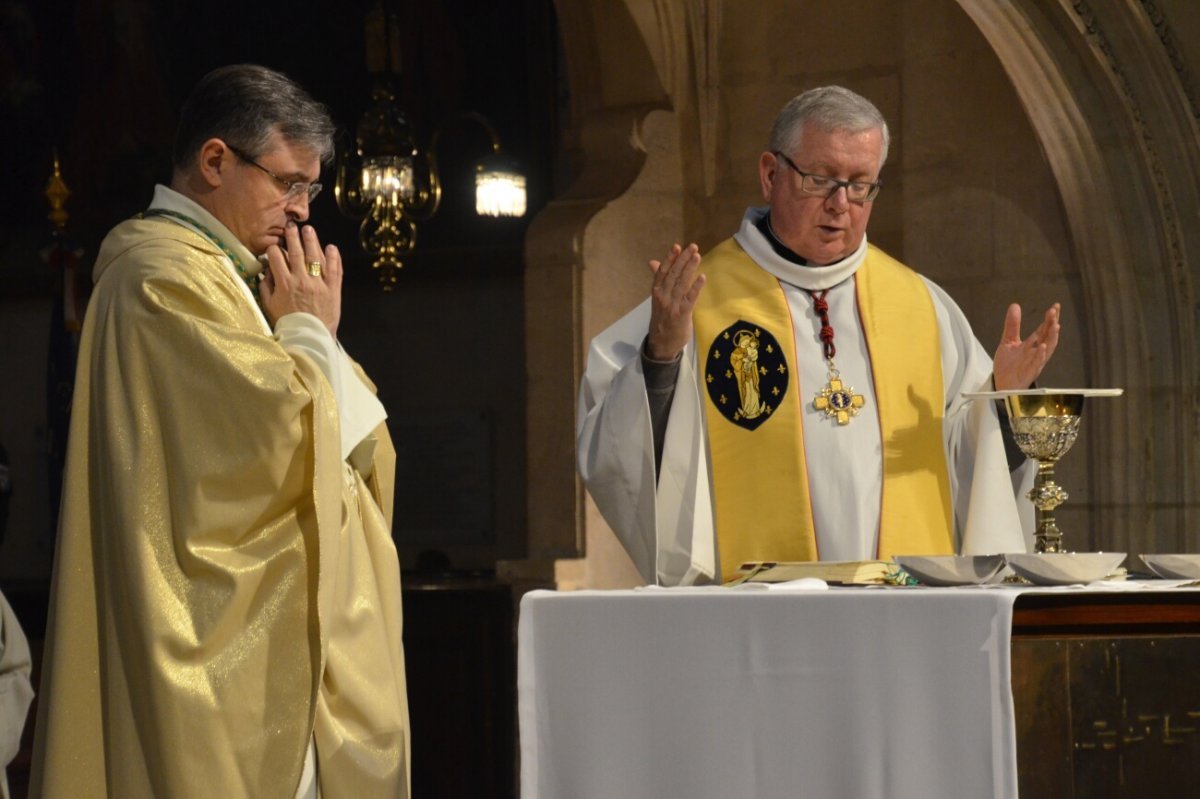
844, 572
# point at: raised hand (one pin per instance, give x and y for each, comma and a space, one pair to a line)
677, 285
290, 285
1018, 363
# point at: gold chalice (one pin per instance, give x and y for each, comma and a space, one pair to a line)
1045, 423
1044, 427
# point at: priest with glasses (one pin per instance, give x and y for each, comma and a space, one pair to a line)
853, 440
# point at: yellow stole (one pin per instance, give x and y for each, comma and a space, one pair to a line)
746, 351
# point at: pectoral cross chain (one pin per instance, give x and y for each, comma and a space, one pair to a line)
836, 399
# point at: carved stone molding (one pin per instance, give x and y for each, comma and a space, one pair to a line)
684, 39
704, 25
1167, 37
624, 59
613, 79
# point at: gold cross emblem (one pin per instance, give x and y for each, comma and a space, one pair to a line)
838, 401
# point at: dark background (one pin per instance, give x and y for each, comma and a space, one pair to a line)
102, 80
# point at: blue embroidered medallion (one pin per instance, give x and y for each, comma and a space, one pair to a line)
746, 374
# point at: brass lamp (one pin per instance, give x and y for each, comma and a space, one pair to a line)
499, 184
391, 185
380, 186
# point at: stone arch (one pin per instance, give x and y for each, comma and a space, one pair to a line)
1112, 110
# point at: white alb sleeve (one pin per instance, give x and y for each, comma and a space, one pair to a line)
359, 410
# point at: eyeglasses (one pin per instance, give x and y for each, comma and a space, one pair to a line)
857, 191
295, 188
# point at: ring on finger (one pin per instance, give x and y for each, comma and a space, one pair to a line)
314, 268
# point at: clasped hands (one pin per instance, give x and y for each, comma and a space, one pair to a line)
678, 282
289, 284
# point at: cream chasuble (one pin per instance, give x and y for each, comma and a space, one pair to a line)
226, 590
666, 521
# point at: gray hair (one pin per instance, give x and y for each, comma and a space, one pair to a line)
244, 104
828, 108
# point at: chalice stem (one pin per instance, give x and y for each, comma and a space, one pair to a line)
1046, 496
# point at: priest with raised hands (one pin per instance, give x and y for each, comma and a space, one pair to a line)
801, 398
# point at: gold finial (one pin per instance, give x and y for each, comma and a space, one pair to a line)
57, 194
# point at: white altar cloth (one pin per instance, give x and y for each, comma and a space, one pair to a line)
714, 692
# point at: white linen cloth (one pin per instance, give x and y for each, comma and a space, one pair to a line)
667, 527
712, 692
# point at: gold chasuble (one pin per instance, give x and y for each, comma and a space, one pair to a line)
755, 413
225, 586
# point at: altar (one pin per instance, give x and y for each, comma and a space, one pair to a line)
858, 692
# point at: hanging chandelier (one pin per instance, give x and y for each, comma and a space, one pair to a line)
386, 181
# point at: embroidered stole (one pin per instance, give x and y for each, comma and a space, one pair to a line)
755, 413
